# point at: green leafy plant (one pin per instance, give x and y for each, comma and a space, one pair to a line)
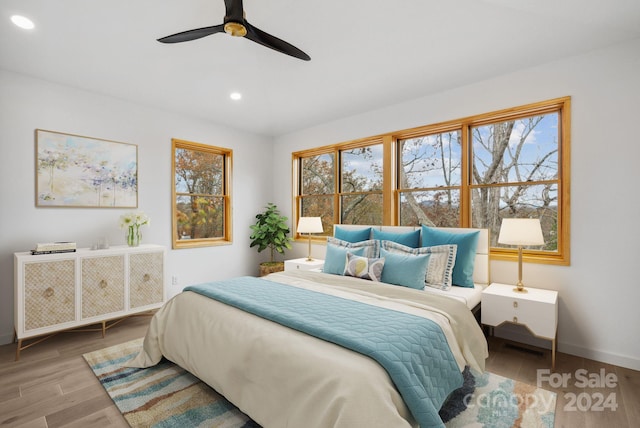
270, 231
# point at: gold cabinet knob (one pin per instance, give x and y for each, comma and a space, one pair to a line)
146, 277
515, 304
48, 292
515, 320
102, 283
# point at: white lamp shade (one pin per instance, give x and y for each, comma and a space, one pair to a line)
521, 231
310, 225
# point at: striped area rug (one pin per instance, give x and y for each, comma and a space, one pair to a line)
168, 396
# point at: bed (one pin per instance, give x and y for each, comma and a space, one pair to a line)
316, 349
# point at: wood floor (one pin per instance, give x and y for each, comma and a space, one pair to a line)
52, 386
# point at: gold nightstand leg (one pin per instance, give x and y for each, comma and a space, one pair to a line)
553, 354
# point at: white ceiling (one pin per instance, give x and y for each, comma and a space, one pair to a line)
364, 53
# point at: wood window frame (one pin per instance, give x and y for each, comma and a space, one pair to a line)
391, 194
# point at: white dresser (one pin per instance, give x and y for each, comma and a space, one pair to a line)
54, 292
536, 309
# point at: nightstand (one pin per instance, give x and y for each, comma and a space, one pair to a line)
537, 310
303, 264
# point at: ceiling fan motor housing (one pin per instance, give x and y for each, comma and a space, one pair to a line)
235, 29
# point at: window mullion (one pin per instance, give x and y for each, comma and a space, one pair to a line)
389, 207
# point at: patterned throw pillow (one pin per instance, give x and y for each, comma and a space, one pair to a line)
467, 244
364, 267
371, 246
441, 262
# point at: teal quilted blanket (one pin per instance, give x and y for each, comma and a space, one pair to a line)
412, 349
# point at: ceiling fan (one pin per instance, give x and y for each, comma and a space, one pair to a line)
236, 25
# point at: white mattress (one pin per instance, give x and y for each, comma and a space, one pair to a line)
470, 296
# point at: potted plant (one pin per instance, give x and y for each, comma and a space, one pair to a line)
271, 231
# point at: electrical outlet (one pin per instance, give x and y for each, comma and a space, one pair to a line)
174, 280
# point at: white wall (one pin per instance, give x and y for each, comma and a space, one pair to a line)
27, 104
599, 292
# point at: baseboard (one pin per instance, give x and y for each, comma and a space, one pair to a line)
632, 363
512, 332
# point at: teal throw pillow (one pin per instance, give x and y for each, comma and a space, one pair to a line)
441, 261
465, 255
336, 258
404, 269
352, 235
410, 239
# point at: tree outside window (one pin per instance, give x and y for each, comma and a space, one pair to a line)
515, 174
430, 179
317, 188
361, 185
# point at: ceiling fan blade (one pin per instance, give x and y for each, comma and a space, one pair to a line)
198, 33
265, 39
234, 11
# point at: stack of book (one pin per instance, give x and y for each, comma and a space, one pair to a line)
54, 247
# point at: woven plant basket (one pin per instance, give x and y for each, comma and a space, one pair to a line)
270, 267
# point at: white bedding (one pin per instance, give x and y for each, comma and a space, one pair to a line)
467, 295
249, 359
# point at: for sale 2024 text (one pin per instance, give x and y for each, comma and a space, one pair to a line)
593, 399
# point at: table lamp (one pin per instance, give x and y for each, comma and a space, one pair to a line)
310, 225
520, 232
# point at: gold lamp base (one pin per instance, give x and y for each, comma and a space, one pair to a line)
519, 285
309, 258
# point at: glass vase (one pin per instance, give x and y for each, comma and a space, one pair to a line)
133, 236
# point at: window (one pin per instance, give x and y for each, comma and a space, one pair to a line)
342, 186
317, 188
201, 195
515, 174
470, 172
430, 181
361, 185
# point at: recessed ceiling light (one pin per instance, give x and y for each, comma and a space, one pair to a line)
22, 22
235, 96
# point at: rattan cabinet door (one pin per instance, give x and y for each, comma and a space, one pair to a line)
103, 280
49, 293
146, 279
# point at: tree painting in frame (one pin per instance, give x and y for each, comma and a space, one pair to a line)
76, 171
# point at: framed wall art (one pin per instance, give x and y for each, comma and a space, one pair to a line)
76, 171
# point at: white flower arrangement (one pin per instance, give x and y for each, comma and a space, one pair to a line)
137, 218
132, 222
